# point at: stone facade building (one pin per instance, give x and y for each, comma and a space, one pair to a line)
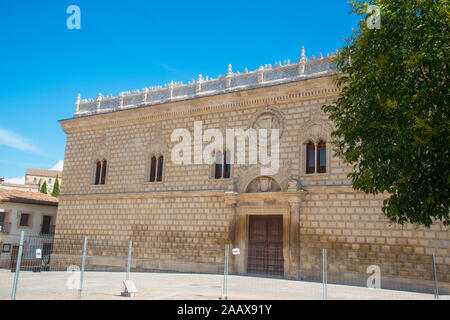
121, 183
36, 177
31, 212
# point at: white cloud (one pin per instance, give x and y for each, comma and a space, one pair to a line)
59, 166
16, 141
15, 180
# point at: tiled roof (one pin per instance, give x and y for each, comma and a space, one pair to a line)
30, 197
44, 173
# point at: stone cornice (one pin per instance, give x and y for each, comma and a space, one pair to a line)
202, 105
286, 195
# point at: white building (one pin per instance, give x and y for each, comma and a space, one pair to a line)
32, 212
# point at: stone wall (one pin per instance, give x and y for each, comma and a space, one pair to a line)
165, 229
350, 225
186, 219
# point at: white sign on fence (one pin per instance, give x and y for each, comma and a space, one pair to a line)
235, 251
38, 253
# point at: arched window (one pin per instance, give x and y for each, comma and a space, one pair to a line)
222, 165
218, 165
160, 168
310, 157
227, 165
156, 169
153, 169
321, 157
105, 164
100, 172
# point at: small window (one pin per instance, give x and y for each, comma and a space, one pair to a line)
218, 165
49, 181
2, 220
227, 165
105, 164
160, 168
100, 172
152, 169
24, 220
222, 165
156, 169
321, 157
310, 157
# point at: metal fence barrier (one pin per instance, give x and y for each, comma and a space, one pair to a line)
47, 267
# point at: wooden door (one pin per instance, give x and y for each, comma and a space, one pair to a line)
265, 245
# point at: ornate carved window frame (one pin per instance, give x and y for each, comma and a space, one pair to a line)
155, 149
148, 167
102, 153
102, 168
212, 175
315, 131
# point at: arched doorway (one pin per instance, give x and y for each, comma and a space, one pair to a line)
266, 216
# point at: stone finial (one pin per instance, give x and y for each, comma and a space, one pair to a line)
246, 70
230, 70
320, 55
121, 95
198, 87
99, 101
302, 62
260, 75
77, 103
170, 86
303, 56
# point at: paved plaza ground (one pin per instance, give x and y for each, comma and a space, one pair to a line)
173, 286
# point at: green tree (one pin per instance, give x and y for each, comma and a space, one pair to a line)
392, 115
44, 188
55, 192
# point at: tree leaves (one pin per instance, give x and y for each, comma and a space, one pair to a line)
43, 188
392, 116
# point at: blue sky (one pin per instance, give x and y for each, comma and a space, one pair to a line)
127, 45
